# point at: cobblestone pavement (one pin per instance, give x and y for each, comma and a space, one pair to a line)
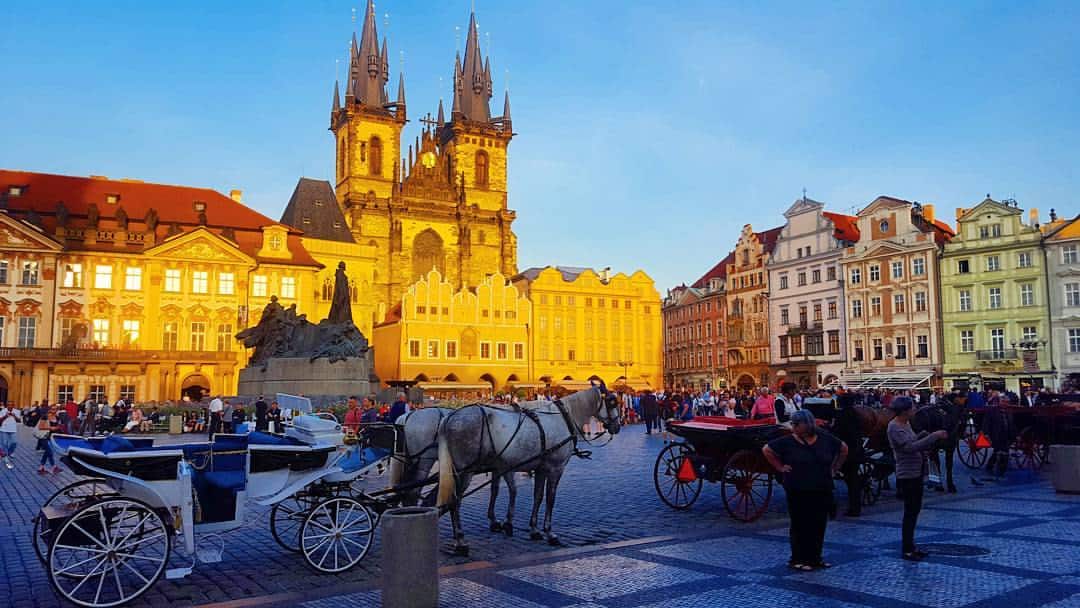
624, 548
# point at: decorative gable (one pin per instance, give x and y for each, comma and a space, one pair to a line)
71, 309
200, 245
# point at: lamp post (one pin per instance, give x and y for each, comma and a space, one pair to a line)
626, 371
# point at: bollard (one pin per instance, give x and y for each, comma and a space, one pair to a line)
1066, 460
410, 545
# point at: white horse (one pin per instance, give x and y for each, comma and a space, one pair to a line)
541, 438
416, 450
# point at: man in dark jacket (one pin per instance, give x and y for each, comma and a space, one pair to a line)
398, 408
260, 414
847, 429
650, 410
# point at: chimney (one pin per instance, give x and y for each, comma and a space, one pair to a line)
605, 274
237, 195
960, 211
1033, 217
928, 213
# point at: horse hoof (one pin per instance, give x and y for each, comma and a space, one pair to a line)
536, 536
461, 550
496, 526
508, 529
554, 541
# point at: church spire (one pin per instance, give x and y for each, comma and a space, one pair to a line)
368, 66
506, 107
472, 80
441, 118
337, 98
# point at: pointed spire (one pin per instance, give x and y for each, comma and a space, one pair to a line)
441, 119
401, 90
369, 71
384, 57
506, 106
472, 79
337, 98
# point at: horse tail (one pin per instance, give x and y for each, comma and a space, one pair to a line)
447, 481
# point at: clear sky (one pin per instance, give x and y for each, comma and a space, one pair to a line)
648, 132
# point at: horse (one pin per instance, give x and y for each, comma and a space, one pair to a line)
540, 438
416, 451
944, 416
874, 424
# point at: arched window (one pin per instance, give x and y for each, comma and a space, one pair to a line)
343, 157
427, 254
375, 156
481, 169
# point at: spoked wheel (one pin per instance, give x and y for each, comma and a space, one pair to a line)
336, 535
676, 493
746, 489
67, 500
871, 488
108, 553
973, 456
286, 519
1029, 451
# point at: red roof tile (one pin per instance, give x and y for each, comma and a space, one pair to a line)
845, 227
716, 272
768, 238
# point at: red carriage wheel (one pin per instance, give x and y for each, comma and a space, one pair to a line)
674, 486
1029, 450
746, 485
971, 453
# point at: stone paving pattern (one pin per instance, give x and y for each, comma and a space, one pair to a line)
698, 557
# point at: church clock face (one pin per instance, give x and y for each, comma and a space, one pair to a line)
428, 159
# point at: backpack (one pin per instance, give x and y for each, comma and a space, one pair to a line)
31, 418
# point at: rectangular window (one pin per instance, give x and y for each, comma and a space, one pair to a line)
879, 350
127, 393
27, 332
817, 313
259, 286
172, 280
783, 281
101, 331
901, 348
519, 351
198, 335
1072, 294
965, 300
994, 294
834, 342
997, 341
451, 349
485, 350
796, 346
97, 392
875, 273
784, 315
65, 393
67, 325
875, 306
226, 283
1023, 259
432, 349
922, 347
288, 287
783, 346
1029, 333
1068, 254
899, 305
133, 278
1074, 340
898, 270
801, 279
920, 301
200, 281
856, 276
1027, 295
967, 341
502, 351
414, 349
815, 345
830, 273
129, 332
857, 351
170, 336
29, 273
72, 275
918, 267
832, 309
3, 272
993, 262
103, 277
815, 275
963, 267
224, 337
856, 309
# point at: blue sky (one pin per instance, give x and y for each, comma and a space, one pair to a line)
649, 133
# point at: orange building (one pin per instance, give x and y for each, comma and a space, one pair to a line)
748, 308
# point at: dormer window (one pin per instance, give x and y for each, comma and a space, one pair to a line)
199, 206
306, 220
112, 199
337, 224
275, 242
15, 190
318, 203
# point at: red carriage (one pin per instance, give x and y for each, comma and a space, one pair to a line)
1032, 430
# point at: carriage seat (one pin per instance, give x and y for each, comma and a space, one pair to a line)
225, 480
356, 459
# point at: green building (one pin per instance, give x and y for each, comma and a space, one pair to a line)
994, 300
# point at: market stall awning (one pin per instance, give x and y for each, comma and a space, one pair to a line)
517, 384
453, 386
884, 380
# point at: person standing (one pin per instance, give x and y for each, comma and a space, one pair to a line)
848, 429
260, 414
217, 407
10, 417
398, 409
785, 405
47, 423
911, 468
807, 460
763, 408
72, 410
650, 410
368, 412
226, 417
352, 416
90, 414
274, 417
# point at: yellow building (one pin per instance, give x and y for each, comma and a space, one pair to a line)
119, 288
473, 339
587, 325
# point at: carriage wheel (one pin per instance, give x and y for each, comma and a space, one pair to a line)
675, 493
1028, 451
286, 519
745, 488
109, 553
67, 499
972, 456
871, 489
336, 535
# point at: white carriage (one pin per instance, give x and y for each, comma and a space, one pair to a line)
106, 539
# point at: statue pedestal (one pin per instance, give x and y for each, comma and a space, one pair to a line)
319, 380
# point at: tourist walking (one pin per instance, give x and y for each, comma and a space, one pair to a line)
911, 468
353, 416
650, 411
397, 409
260, 414
47, 423
10, 417
807, 460
90, 414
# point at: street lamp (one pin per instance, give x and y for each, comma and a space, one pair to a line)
626, 371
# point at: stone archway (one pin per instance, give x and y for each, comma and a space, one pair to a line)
745, 382
195, 387
427, 254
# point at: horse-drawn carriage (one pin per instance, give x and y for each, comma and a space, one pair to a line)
718, 449
1031, 431
106, 539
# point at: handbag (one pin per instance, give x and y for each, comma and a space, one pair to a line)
42, 433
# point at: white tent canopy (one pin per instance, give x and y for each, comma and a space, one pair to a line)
884, 380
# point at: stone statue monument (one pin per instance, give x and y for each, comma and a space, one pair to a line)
325, 361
